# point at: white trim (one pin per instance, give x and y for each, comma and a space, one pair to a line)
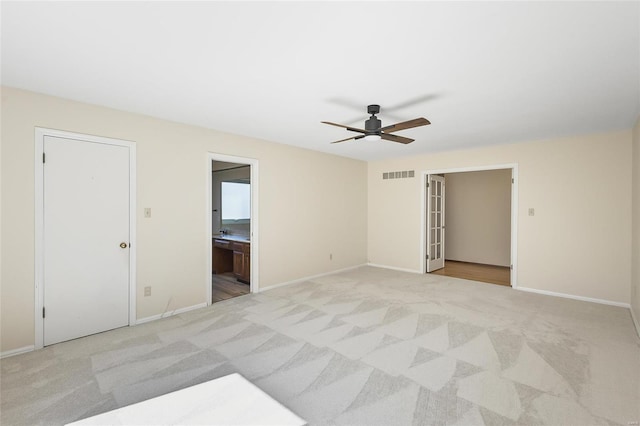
574, 297
39, 239
19, 351
514, 211
311, 277
171, 313
424, 223
471, 169
40, 133
635, 320
514, 226
254, 286
393, 268
133, 232
533, 290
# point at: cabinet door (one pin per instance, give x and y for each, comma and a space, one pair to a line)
238, 263
246, 271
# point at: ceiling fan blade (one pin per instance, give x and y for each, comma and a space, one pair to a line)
396, 138
416, 122
347, 139
353, 129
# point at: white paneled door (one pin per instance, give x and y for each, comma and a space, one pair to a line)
86, 238
435, 222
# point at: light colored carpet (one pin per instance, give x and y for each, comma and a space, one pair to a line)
365, 347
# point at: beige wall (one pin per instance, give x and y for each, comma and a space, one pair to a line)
635, 250
478, 217
578, 241
309, 202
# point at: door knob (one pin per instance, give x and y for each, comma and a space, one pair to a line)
123, 245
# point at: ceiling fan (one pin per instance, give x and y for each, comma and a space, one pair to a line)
373, 129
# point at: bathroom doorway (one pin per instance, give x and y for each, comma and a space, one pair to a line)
232, 207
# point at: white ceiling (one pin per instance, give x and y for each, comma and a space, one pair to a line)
483, 73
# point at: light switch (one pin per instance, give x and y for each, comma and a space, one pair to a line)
147, 212
532, 211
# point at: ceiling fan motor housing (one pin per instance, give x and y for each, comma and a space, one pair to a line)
372, 125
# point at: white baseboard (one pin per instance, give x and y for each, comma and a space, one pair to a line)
30, 348
635, 321
12, 352
393, 268
311, 277
533, 290
170, 313
571, 296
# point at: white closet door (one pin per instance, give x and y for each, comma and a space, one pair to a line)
86, 238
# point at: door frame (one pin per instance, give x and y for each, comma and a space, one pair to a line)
514, 211
254, 284
40, 133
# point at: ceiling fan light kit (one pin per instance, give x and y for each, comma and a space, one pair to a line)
374, 131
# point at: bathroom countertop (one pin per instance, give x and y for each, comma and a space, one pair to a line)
232, 237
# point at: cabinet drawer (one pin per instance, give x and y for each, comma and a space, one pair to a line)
241, 247
222, 244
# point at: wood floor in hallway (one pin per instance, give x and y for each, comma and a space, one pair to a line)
492, 274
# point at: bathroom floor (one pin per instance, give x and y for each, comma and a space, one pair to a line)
225, 286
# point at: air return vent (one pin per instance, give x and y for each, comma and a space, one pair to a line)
398, 175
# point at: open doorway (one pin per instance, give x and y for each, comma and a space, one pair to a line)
471, 231
233, 223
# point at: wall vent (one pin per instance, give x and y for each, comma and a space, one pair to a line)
399, 175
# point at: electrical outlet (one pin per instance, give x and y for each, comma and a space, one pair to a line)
532, 211
147, 212
330, 256
147, 291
